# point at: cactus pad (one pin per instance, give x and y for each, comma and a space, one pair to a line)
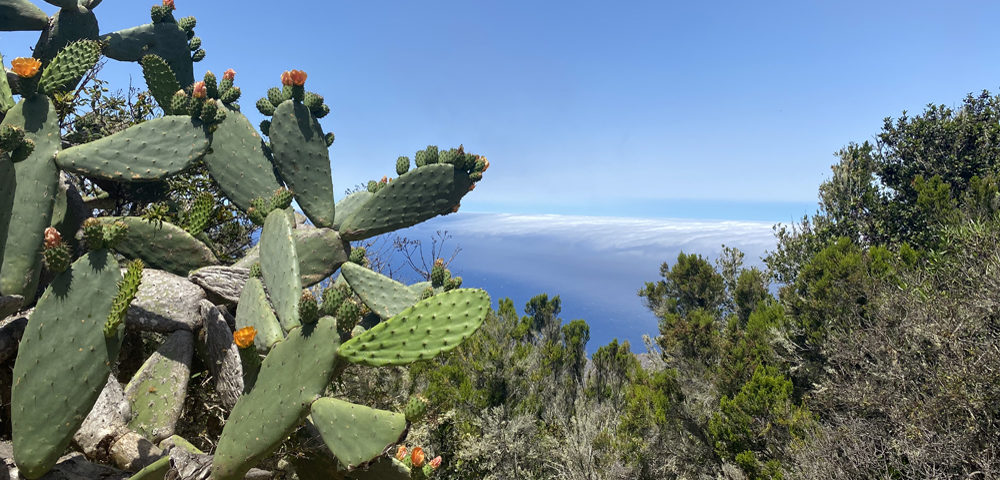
69, 66
63, 361
350, 204
161, 81
253, 310
418, 195
293, 375
37, 181
148, 151
18, 15
280, 267
157, 391
437, 324
356, 434
303, 159
165, 40
238, 162
163, 245
383, 295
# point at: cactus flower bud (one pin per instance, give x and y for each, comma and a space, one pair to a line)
25, 67
199, 90
169, 4
229, 74
417, 457
401, 452
293, 78
52, 238
384, 180
243, 337
455, 208
436, 462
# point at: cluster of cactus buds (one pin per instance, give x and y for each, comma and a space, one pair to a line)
204, 100
261, 207
416, 461
103, 235
13, 143
441, 277
200, 213
358, 256
293, 88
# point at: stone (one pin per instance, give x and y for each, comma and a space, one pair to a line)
226, 282
165, 303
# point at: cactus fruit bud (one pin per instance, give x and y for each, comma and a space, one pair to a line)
243, 337
179, 103
127, 289
282, 198
255, 216
93, 232
160, 13
372, 186
333, 297
198, 56
427, 156
308, 308
211, 85
194, 44
348, 315
275, 96
187, 24
415, 409
322, 111
313, 101
401, 452
255, 270
436, 462
23, 151
329, 138
448, 156
199, 90
209, 110
402, 165
427, 293
265, 107
230, 94
265, 126
417, 457
452, 283
437, 276
10, 137
476, 176
358, 256
56, 254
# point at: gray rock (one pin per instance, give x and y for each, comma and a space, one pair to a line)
106, 422
222, 355
11, 329
226, 282
10, 304
70, 467
165, 303
157, 391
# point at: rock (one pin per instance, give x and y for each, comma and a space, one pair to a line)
226, 282
157, 391
10, 304
165, 303
70, 467
11, 330
133, 452
222, 355
105, 423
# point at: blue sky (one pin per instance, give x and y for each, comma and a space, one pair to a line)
640, 109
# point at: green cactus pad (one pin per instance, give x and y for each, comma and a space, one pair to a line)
67, 25
385, 468
356, 434
321, 252
255, 311
37, 181
162, 245
165, 40
418, 195
69, 66
8, 182
350, 204
280, 267
383, 295
154, 471
148, 151
293, 375
303, 160
63, 361
161, 81
437, 324
419, 287
6, 97
16, 15
238, 161
156, 392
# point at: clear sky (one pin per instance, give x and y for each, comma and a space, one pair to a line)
630, 108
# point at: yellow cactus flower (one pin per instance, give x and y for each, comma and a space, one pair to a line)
244, 336
25, 67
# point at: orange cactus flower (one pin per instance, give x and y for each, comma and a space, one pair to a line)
25, 67
436, 462
385, 179
401, 452
417, 457
229, 74
169, 3
294, 77
52, 238
244, 336
199, 90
